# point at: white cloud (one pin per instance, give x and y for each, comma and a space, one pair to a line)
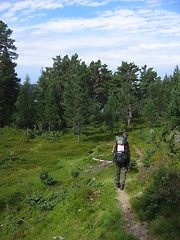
141, 35
119, 21
87, 3
33, 5
26, 7
4, 6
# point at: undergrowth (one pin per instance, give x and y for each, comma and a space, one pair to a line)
155, 191
51, 187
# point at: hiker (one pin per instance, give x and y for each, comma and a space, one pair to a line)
121, 159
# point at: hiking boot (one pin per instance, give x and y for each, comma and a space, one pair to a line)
122, 187
118, 185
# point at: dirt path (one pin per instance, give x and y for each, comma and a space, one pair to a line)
131, 224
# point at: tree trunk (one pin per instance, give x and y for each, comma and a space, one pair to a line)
79, 132
49, 127
129, 116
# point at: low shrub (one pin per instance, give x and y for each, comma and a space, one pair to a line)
74, 174
133, 165
147, 157
43, 203
46, 179
161, 198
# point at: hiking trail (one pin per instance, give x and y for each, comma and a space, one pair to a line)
131, 224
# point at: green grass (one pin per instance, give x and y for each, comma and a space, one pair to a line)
154, 190
81, 203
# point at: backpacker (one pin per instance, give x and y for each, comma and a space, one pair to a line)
121, 150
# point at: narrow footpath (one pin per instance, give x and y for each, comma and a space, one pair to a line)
131, 224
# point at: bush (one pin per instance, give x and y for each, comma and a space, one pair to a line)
162, 196
43, 203
46, 179
147, 157
133, 165
74, 174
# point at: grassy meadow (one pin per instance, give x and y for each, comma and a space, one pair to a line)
50, 188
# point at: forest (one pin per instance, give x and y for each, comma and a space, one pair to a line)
73, 94
85, 106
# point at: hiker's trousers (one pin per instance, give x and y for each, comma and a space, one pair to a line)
120, 174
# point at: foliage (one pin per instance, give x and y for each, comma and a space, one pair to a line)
111, 112
43, 203
161, 196
74, 94
79, 197
76, 100
25, 105
9, 82
133, 165
125, 87
166, 141
147, 156
173, 107
46, 178
160, 201
74, 174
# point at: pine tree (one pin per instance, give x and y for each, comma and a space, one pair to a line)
9, 82
125, 82
51, 112
49, 94
147, 77
26, 105
76, 100
99, 79
111, 112
174, 104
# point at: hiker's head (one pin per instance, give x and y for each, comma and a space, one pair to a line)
125, 134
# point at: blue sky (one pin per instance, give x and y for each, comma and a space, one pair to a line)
139, 31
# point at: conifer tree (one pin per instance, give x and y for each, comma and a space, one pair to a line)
26, 105
51, 114
99, 79
174, 104
76, 100
9, 82
147, 77
111, 112
125, 81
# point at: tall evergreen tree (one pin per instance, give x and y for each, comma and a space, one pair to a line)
9, 82
125, 86
99, 80
26, 105
147, 77
59, 76
156, 96
111, 112
174, 103
51, 113
76, 100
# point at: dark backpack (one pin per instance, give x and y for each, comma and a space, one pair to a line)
121, 153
